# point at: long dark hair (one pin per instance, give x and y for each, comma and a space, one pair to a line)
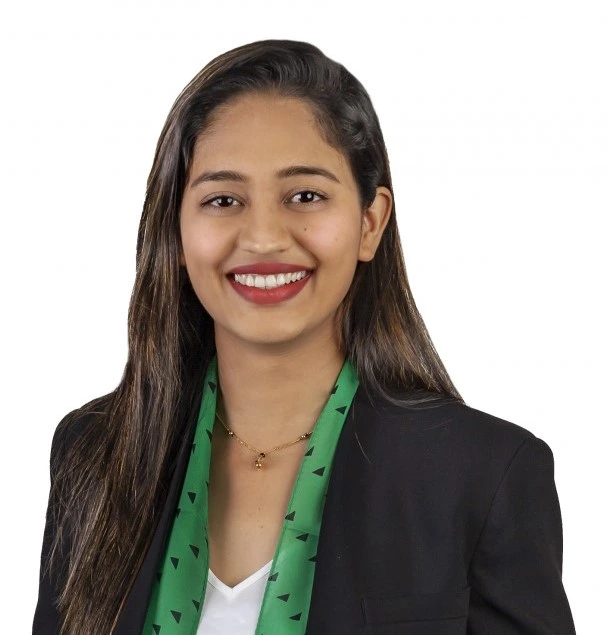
109, 485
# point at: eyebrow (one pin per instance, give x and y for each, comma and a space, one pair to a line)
292, 170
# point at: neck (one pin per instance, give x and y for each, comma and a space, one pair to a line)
271, 397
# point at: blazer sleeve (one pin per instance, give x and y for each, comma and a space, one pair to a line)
46, 617
515, 573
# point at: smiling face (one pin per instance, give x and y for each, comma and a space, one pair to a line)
265, 212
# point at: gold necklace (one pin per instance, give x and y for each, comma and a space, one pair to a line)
262, 455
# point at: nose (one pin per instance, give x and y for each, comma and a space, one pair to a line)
264, 228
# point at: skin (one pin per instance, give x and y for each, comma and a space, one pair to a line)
278, 362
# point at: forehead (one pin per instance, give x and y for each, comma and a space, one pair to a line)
258, 132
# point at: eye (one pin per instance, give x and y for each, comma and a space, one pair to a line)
308, 195
222, 197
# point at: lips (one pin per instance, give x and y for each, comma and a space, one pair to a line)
268, 268
273, 295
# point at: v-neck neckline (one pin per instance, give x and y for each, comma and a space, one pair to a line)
231, 592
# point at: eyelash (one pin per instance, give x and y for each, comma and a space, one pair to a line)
209, 201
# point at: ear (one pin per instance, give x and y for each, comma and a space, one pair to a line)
374, 221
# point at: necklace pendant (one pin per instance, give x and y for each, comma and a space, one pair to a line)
259, 459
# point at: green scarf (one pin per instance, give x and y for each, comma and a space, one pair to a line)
177, 597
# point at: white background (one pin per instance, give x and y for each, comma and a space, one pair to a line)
495, 118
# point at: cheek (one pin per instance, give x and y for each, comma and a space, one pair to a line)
336, 242
202, 247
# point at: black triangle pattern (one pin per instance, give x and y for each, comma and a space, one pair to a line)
171, 613
273, 578
301, 530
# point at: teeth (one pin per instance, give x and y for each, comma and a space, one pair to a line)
269, 282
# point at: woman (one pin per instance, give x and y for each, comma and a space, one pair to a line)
285, 452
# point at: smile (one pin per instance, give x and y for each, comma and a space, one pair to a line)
269, 282
272, 289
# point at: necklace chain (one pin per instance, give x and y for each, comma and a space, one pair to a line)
262, 455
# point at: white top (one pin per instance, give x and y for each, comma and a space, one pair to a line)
233, 610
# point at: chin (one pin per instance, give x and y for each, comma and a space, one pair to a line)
271, 338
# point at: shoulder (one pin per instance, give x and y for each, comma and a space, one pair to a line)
481, 428
74, 425
480, 433
446, 428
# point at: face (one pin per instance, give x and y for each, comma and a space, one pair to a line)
243, 208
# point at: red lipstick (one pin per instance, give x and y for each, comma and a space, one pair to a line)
272, 295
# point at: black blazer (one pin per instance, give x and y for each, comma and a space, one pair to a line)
438, 521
